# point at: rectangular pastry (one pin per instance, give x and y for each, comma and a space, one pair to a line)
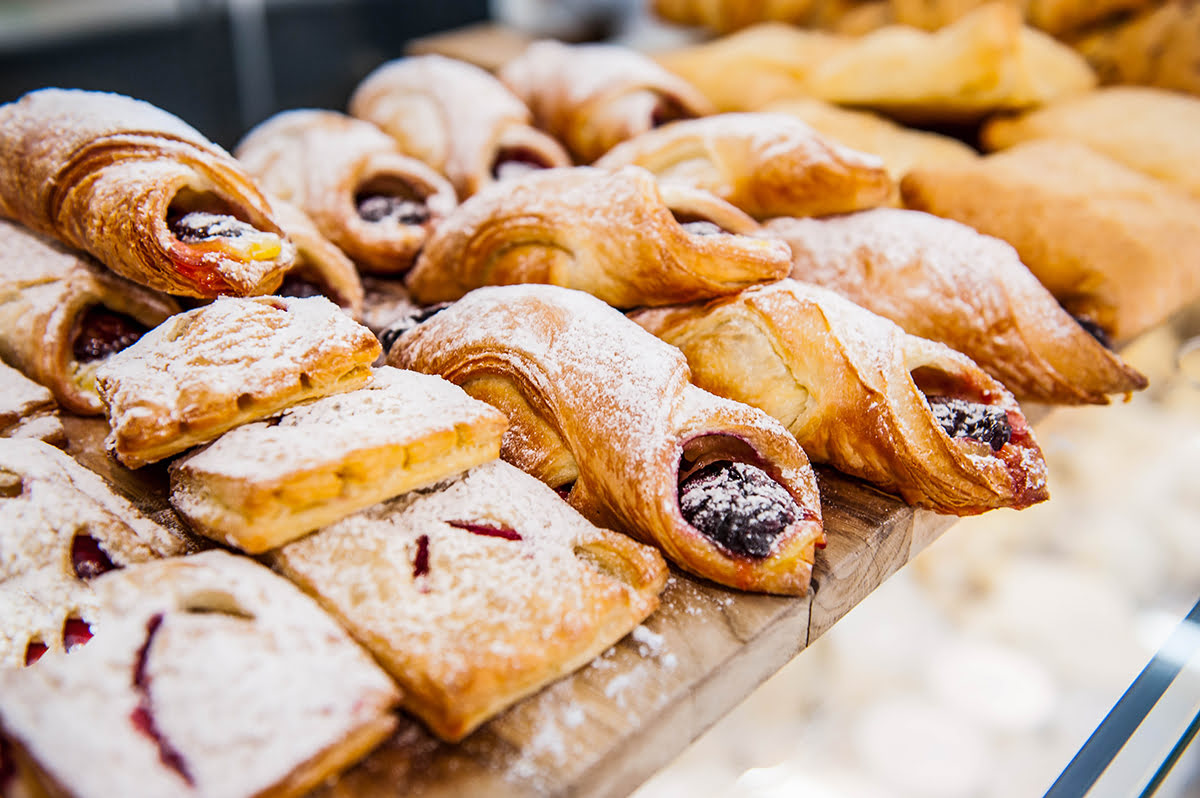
28, 410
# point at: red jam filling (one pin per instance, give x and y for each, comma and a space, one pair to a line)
103, 332
487, 530
88, 559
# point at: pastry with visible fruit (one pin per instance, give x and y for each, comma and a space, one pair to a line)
320, 269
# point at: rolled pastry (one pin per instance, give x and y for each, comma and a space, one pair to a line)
910, 415
594, 96
62, 315
140, 190
942, 280
723, 16
320, 269
28, 410
363, 194
457, 118
765, 164
613, 234
604, 412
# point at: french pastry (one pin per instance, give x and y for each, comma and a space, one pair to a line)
765, 164
62, 315
618, 235
206, 676
594, 96
478, 591
724, 16
1056, 17
60, 527
269, 482
141, 191
910, 415
1156, 47
236, 360
320, 268
375, 203
457, 118
942, 280
1115, 247
603, 412
28, 410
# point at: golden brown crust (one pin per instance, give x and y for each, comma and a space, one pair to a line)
1056, 17
723, 16
319, 265
1154, 48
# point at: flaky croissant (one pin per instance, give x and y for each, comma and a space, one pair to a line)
320, 267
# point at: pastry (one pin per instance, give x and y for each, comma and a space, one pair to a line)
942, 280
28, 410
321, 269
910, 415
234, 361
62, 315
765, 164
207, 676
269, 482
603, 412
724, 16
594, 96
457, 118
143, 192
1116, 248
477, 592
617, 235
350, 177
1156, 47
1056, 17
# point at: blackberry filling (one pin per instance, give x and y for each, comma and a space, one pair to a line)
198, 226
738, 507
297, 286
667, 110
406, 322
103, 332
1095, 330
514, 162
963, 419
378, 207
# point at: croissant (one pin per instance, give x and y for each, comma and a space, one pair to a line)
604, 412
141, 191
320, 267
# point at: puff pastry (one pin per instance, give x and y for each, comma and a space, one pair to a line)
363, 194
1156, 47
457, 118
140, 190
765, 164
236, 360
478, 591
942, 280
1115, 247
724, 16
910, 415
320, 269
269, 482
208, 676
594, 96
28, 410
604, 412
62, 315
1056, 17
616, 235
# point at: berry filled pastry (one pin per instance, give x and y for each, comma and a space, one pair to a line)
237, 360
28, 410
910, 415
603, 412
206, 676
320, 269
477, 592
139, 189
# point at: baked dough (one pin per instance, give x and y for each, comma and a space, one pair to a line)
28, 410
478, 591
321, 269
612, 234
269, 482
853, 387
1056, 17
724, 16
1154, 48
208, 676
600, 408
236, 360
140, 190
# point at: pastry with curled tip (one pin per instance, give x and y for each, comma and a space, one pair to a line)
618, 235
207, 675
457, 118
28, 410
236, 360
765, 164
594, 96
320, 269
140, 190
602, 411
724, 16
477, 591
377, 204
909, 415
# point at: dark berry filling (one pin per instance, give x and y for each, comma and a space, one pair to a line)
88, 558
402, 210
738, 507
142, 716
421, 559
34, 652
1095, 330
199, 226
487, 530
514, 162
103, 332
564, 491
76, 632
667, 110
406, 322
297, 286
961, 418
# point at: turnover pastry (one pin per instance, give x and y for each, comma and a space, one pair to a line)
765, 164
269, 482
140, 190
28, 410
62, 315
457, 118
478, 591
207, 676
320, 269
723, 16
617, 235
237, 360
603, 412
910, 415
363, 194
594, 96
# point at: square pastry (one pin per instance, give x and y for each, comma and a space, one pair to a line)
208, 676
267, 483
206, 371
478, 591
28, 410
